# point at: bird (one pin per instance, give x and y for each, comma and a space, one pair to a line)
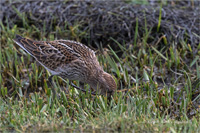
70, 60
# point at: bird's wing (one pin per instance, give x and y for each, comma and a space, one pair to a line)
50, 54
87, 54
83, 50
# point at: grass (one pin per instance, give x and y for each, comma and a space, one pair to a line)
156, 88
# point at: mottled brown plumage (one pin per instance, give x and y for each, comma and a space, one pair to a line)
71, 60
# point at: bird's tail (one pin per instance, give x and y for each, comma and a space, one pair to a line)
26, 44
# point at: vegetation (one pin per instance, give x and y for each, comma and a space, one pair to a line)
158, 89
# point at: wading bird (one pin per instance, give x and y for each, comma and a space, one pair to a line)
71, 60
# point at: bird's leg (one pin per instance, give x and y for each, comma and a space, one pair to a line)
80, 88
72, 84
53, 86
81, 85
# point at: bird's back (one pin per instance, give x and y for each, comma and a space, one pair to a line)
54, 55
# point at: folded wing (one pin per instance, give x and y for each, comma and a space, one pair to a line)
49, 54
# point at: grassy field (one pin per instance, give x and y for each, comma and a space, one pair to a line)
158, 88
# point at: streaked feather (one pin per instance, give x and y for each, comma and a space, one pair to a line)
68, 59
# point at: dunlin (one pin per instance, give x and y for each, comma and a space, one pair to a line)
71, 60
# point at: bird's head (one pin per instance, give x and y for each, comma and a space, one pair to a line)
104, 83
